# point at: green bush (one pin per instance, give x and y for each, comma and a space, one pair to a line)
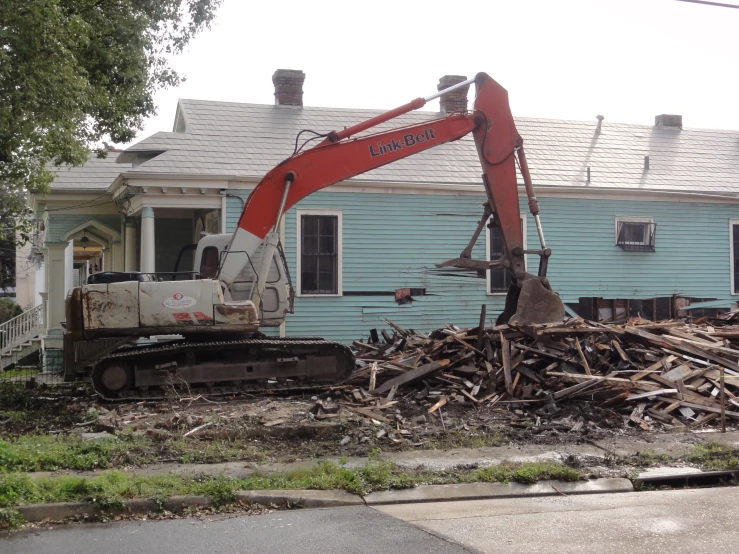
9, 309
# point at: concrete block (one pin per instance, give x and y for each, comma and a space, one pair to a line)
57, 511
179, 503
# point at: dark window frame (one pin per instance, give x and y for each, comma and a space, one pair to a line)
319, 252
636, 234
734, 243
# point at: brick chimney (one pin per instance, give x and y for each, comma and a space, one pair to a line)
455, 101
288, 87
668, 120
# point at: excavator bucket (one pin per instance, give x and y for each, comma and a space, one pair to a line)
532, 302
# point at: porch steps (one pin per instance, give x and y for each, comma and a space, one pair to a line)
21, 336
20, 352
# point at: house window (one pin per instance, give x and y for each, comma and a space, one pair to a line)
499, 279
734, 247
319, 252
635, 234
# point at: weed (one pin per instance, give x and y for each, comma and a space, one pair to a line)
221, 489
10, 519
525, 473
458, 439
715, 456
374, 454
650, 457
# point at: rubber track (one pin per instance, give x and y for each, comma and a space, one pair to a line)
126, 352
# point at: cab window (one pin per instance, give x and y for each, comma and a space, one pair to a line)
209, 263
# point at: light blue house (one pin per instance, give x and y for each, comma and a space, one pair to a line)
642, 219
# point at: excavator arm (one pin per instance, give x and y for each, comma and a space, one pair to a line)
341, 156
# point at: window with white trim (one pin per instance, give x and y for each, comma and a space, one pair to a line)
319, 252
734, 250
635, 234
499, 279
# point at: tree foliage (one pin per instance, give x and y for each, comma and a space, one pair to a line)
73, 72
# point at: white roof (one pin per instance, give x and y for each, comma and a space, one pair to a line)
230, 139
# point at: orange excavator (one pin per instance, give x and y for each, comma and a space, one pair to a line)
245, 284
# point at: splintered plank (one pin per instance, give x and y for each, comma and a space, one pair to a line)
442, 401
481, 327
674, 343
411, 376
711, 409
505, 350
620, 351
366, 412
585, 365
657, 366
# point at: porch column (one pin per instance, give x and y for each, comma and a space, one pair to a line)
147, 241
57, 282
115, 262
130, 246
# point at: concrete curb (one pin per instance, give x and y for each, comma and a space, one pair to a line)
302, 498
333, 498
64, 510
481, 491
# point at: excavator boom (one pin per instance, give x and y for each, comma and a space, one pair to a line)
340, 157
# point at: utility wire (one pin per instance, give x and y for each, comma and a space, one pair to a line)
78, 205
707, 3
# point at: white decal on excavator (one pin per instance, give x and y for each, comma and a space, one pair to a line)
399, 144
179, 300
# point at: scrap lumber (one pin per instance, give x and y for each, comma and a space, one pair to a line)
412, 375
669, 373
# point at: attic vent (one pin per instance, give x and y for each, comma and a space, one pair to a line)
635, 235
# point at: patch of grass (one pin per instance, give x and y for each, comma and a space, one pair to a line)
714, 456
50, 453
38, 452
524, 473
18, 372
649, 457
111, 488
215, 451
10, 519
15, 416
459, 439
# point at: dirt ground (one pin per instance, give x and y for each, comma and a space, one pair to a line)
285, 431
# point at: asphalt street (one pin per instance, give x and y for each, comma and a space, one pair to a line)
690, 521
341, 530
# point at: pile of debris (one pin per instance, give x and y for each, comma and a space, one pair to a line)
667, 373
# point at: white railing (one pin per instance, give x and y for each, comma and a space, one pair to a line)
22, 328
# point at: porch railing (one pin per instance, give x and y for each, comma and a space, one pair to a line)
22, 328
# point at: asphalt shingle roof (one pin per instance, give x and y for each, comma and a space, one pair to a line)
95, 174
246, 140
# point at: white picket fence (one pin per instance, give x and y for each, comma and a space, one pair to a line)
21, 329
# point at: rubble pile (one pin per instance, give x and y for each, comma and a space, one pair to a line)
666, 374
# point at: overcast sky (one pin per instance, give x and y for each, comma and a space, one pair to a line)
628, 60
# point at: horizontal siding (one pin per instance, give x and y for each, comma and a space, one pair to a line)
691, 243
59, 224
392, 241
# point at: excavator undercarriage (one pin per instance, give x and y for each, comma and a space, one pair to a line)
217, 368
